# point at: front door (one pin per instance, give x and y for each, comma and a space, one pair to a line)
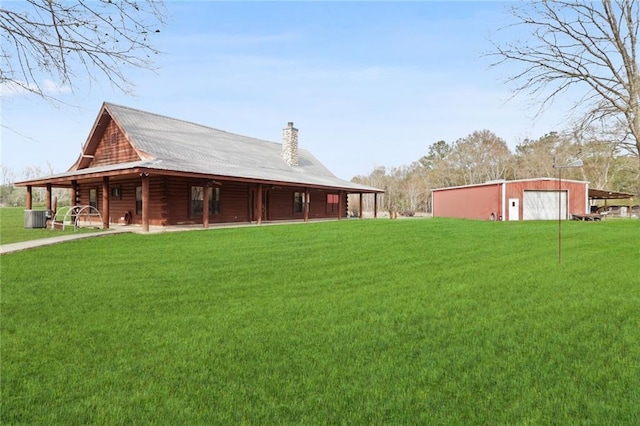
514, 209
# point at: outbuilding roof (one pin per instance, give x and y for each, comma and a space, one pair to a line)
501, 181
604, 194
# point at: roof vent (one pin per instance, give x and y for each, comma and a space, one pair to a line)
290, 144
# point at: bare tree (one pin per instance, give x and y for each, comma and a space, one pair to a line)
417, 188
597, 147
6, 175
6, 184
480, 157
535, 158
583, 44
46, 41
626, 177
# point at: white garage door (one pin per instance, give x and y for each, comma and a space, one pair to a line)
543, 205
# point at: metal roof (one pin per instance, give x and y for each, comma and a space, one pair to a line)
169, 144
501, 181
603, 194
188, 147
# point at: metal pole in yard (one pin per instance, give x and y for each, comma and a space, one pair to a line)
559, 216
572, 165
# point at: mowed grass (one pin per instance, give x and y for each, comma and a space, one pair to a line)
352, 322
12, 228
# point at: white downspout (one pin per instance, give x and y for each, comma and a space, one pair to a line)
587, 208
433, 209
504, 200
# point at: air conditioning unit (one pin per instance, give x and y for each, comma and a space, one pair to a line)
36, 218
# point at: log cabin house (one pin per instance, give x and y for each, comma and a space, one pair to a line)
142, 168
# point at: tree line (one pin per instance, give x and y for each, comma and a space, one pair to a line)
483, 156
477, 158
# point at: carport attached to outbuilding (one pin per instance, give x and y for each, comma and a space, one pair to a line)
606, 195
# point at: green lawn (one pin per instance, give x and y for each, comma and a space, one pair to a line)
12, 228
352, 322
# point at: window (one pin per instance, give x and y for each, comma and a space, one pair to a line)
214, 200
197, 201
298, 202
93, 197
116, 192
138, 200
114, 138
333, 201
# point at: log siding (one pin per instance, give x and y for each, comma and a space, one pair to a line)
113, 148
124, 174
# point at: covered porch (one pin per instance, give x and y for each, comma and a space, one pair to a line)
158, 198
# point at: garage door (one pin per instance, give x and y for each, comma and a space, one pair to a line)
543, 205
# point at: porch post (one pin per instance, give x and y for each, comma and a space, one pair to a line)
361, 207
205, 205
74, 193
306, 205
105, 202
341, 205
29, 197
375, 205
259, 207
145, 202
48, 196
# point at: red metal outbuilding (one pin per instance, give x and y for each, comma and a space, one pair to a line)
525, 199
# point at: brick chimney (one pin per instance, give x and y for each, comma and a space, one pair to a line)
290, 144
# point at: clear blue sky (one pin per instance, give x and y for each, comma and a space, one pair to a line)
366, 83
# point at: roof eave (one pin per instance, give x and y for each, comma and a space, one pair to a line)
66, 179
